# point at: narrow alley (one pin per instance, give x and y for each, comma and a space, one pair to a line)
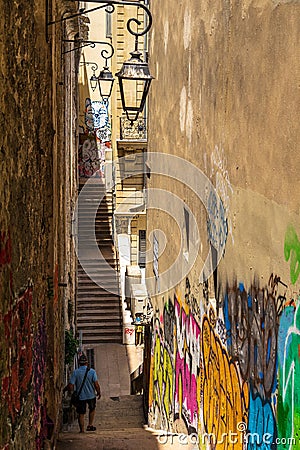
120, 422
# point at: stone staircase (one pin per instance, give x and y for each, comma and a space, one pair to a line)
99, 315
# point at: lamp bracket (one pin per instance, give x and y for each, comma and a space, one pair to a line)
94, 66
83, 43
109, 6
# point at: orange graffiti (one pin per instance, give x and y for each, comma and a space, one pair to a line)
225, 399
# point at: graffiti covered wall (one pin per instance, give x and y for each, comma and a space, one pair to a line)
225, 346
23, 359
230, 378
94, 139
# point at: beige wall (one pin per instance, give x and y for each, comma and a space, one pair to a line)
226, 99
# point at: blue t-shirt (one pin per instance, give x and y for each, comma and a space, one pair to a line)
88, 389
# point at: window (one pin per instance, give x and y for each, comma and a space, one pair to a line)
186, 234
108, 25
142, 248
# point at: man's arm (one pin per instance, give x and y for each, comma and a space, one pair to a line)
69, 388
98, 390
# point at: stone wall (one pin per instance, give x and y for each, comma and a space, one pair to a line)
226, 315
37, 186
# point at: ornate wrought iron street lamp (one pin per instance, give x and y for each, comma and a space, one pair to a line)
134, 71
94, 78
105, 78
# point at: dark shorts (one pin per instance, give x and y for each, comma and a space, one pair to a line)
81, 407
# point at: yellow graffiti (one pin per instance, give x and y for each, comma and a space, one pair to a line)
224, 398
162, 381
168, 384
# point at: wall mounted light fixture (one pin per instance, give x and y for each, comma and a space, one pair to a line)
134, 71
94, 78
105, 79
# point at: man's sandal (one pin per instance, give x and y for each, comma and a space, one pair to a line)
90, 428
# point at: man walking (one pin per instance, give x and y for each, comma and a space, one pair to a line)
87, 378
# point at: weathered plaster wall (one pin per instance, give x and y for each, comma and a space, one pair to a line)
36, 186
225, 349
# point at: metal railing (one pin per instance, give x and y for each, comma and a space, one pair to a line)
133, 130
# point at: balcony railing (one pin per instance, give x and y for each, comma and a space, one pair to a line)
135, 130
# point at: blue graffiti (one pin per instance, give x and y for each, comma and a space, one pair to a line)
251, 324
217, 226
286, 321
262, 430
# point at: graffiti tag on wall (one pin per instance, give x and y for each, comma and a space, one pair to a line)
24, 352
94, 140
292, 253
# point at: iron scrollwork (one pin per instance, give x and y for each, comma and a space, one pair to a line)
109, 6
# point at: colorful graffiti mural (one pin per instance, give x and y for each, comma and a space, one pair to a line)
232, 380
187, 367
289, 376
24, 354
19, 341
176, 353
225, 395
89, 158
94, 140
39, 374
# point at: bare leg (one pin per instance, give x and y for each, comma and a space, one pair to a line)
91, 417
81, 422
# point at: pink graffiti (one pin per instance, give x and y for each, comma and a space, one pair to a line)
187, 367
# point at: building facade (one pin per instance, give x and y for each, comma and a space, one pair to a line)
223, 253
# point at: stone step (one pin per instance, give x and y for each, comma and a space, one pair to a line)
106, 305
112, 315
116, 339
93, 334
92, 241
101, 267
87, 294
98, 226
99, 314
87, 234
94, 314
92, 203
94, 307
101, 298
94, 187
95, 271
91, 214
97, 221
107, 321
95, 325
100, 213
91, 298
98, 278
99, 283
96, 265
98, 273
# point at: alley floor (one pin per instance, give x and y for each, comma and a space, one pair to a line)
119, 419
